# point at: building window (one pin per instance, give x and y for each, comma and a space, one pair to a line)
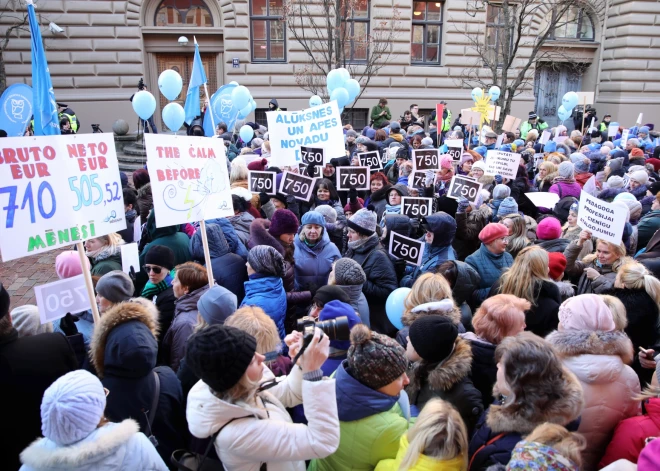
183, 13
356, 117
426, 32
574, 24
496, 29
268, 30
260, 116
355, 31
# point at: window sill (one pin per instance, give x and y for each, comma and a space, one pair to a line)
266, 61
590, 44
426, 64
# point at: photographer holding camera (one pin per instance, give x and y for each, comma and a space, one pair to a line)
150, 121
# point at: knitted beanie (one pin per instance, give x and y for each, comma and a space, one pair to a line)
349, 272
67, 264
586, 312
27, 322
115, 286
492, 231
640, 177
433, 337
363, 221
465, 157
649, 457
4, 301
160, 255
624, 196
557, 265
445, 162
479, 164
219, 355
72, 407
501, 191
566, 170
537, 456
548, 229
357, 206
635, 168
283, 221
614, 164
217, 304
258, 165
375, 360
328, 213
328, 293
427, 141
615, 181
313, 217
580, 162
549, 147
265, 260
507, 206
635, 208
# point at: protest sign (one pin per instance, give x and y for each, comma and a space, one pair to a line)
499, 141
545, 137
57, 190
319, 126
302, 170
425, 159
405, 248
352, 177
624, 137
455, 148
262, 182
417, 179
538, 160
585, 98
604, 220
370, 159
464, 187
543, 199
130, 257
502, 163
511, 123
416, 207
56, 299
137, 230
639, 119
298, 186
590, 186
16, 109
312, 155
189, 179
469, 117
612, 130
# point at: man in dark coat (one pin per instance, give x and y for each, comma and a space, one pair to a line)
28, 366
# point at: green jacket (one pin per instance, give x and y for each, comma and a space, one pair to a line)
377, 119
526, 127
106, 265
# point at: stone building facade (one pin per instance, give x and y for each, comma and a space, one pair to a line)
108, 45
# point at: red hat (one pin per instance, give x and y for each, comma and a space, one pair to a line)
493, 231
655, 162
358, 206
258, 165
637, 152
557, 265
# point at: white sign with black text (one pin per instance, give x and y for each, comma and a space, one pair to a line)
464, 187
624, 138
416, 207
312, 155
405, 248
352, 177
501, 163
426, 159
57, 299
298, 186
370, 159
604, 220
262, 182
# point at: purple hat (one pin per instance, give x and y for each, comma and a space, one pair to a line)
283, 221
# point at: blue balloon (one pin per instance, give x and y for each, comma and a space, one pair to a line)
477, 93
253, 104
340, 95
352, 86
144, 104
570, 100
315, 100
174, 116
170, 84
345, 75
241, 97
334, 80
246, 133
563, 113
245, 111
394, 306
494, 92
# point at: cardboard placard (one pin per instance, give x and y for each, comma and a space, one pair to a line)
545, 137
298, 186
604, 220
262, 182
624, 138
318, 170
464, 187
494, 113
511, 123
416, 207
585, 98
417, 179
543, 199
425, 159
559, 139
58, 298
57, 190
405, 248
352, 177
470, 117
639, 119
130, 257
371, 159
312, 155
502, 163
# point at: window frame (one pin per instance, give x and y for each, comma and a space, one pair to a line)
183, 17
350, 23
499, 29
349, 116
582, 12
425, 23
268, 19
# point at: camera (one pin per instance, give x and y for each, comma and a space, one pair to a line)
141, 84
335, 329
96, 128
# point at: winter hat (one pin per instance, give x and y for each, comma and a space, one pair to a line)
506, 148
363, 221
532, 115
507, 206
614, 165
649, 457
371, 133
615, 181
519, 143
549, 229
217, 304
67, 264
501, 191
580, 162
219, 355
256, 142
655, 162
427, 141
607, 144
566, 170
445, 162
640, 177
493, 231
350, 207
624, 196
265, 260
313, 217
335, 309
349, 272
351, 133
242, 192
395, 127
329, 293
586, 312
362, 140
160, 255
654, 188
283, 221
644, 130
635, 168
115, 286
433, 337
481, 150
4, 301
635, 208
637, 152
536, 456
479, 164
328, 212
465, 157
549, 147
373, 359
557, 265
27, 322
72, 407
258, 165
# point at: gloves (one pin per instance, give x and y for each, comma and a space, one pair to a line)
463, 204
311, 169
541, 121
352, 195
263, 198
68, 324
414, 223
429, 178
399, 268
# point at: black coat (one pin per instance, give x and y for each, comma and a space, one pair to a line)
554, 245
28, 366
164, 301
484, 369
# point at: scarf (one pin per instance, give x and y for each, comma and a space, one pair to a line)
356, 244
446, 177
150, 290
104, 252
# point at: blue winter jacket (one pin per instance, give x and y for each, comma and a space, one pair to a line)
268, 293
489, 266
235, 244
314, 264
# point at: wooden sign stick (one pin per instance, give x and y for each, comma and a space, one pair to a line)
84, 264
207, 254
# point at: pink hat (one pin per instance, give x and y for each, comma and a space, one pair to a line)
649, 457
258, 165
445, 162
67, 264
549, 229
493, 231
586, 312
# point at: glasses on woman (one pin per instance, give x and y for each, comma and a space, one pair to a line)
152, 268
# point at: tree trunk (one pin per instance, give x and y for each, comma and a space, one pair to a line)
3, 73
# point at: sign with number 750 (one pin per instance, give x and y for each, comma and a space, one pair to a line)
56, 299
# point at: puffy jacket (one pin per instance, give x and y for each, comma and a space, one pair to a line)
423, 463
314, 264
489, 266
229, 269
106, 262
235, 244
183, 324
268, 293
646, 227
379, 200
255, 435
165, 302
468, 227
553, 245
127, 234
145, 202
371, 425
467, 281
600, 362
564, 189
576, 268
241, 223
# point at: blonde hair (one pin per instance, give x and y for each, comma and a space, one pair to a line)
111, 243
619, 249
201, 323
634, 275
550, 167
518, 239
239, 170
266, 146
439, 432
498, 317
244, 391
618, 311
531, 265
427, 288
532, 135
257, 323
554, 157
568, 444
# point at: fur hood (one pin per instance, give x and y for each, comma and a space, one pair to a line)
444, 375
572, 343
259, 235
409, 317
135, 309
565, 289
144, 191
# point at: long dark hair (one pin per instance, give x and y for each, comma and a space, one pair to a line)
326, 184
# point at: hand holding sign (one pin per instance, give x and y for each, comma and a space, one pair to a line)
604, 220
298, 186
464, 187
371, 159
405, 248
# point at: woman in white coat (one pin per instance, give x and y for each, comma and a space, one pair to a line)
255, 428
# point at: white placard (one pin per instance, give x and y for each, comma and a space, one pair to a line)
559, 139
612, 130
469, 117
454, 143
585, 98
60, 297
189, 178
137, 229
464, 187
545, 137
499, 141
604, 220
639, 119
319, 126
590, 186
353, 177
407, 249
624, 138
543, 199
502, 163
130, 257
56, 191
538, 160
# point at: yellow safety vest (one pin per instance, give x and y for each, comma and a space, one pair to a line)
73, 120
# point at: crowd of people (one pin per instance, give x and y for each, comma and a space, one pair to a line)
527, 343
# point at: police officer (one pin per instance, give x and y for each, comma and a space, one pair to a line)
64, 111
533, 122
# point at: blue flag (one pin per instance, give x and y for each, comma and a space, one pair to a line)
197, 79
46, 120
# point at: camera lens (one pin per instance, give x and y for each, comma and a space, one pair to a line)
335, 329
